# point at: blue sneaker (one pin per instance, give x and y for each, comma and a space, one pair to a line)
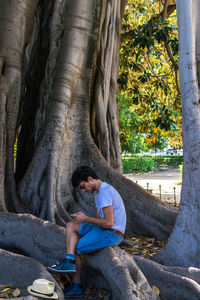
73, 290
65, 266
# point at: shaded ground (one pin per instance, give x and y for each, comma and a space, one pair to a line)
164, 183
89, 294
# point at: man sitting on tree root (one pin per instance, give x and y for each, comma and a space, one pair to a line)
86, 234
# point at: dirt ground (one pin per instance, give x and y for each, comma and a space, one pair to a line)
164, 183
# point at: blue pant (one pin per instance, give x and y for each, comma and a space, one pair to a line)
94, 237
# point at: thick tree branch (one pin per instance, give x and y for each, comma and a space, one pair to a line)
174, 63
164, 13
127, 36
123, 4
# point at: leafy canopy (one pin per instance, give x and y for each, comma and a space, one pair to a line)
149, 101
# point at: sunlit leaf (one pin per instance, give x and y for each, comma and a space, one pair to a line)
156, 290
6, 290
134, 248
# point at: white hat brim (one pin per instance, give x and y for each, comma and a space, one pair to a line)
55, 295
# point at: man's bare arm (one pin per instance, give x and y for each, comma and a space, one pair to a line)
106, 222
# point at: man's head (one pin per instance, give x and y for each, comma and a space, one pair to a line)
84, 178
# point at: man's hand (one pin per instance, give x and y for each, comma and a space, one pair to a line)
105, 222
79, 217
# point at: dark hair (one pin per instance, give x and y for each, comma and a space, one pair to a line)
81, 174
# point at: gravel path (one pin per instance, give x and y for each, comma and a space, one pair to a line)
166, 182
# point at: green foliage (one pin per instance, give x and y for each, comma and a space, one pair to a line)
139, 133
138, 164
168, 160
156, 141
131, 139
164, 120
146, 80
147, 34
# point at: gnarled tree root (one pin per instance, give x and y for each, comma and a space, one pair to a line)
117, 273
20, 271
173, 282
32, 236
45, 242
126, 277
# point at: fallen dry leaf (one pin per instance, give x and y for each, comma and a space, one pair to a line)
156, 290
16, 292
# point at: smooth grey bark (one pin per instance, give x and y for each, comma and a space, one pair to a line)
172, 282
14, 33
183, 247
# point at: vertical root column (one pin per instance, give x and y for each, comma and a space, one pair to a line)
2, 134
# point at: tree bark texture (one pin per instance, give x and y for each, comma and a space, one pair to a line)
183, 247
111, 268
58, 100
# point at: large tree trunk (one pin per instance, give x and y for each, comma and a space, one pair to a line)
62, 93
75, 119
183, 247
58, 63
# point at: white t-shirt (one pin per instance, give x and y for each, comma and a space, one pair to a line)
107, 196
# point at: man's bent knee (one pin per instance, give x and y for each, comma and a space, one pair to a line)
72, 227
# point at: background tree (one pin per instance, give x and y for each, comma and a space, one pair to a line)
58, 78
186, 231
131, 139
149, 72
